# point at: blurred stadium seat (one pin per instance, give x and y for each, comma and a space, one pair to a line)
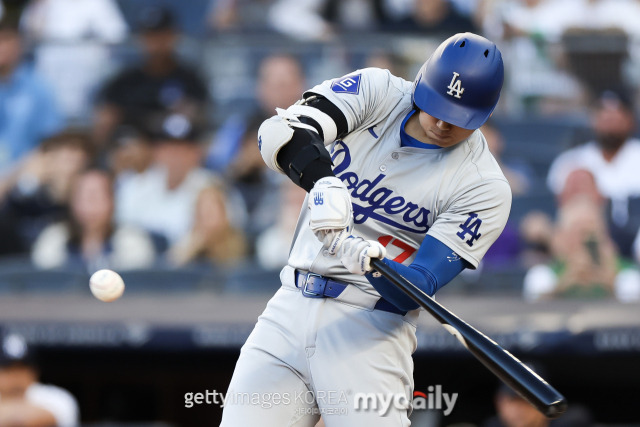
538, 140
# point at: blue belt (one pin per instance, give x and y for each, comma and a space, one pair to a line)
317, 286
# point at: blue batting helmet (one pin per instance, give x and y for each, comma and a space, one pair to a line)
460, 82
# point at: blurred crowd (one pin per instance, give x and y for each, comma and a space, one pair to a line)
132, 164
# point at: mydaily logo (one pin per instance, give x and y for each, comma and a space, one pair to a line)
381, 403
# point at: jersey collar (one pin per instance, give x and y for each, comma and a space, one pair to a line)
408, 141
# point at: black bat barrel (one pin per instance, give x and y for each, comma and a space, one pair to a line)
503, 364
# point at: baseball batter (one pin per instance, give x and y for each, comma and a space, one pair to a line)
408, 178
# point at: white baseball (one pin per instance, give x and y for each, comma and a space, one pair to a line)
106, 285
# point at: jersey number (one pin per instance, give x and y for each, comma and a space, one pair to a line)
407, 250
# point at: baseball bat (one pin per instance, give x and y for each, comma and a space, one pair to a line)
503, 364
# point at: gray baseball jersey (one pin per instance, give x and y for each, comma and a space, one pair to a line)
400, 194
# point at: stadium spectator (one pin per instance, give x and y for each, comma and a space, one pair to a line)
599, 14
513, 411
321, 19
586, 263
234, 151
273, 243
536, 231
432, 17
39, 193
548, 20
542, 19
281, 80
161, 84
131, 152
528, 30
89, 239
612, 158
388, 60
254, 182
72, 20
23, 400
280, 84
162, 199
29, 111
238, 15
212, 238
71, 48
353, 15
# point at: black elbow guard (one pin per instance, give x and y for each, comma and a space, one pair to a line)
305, 159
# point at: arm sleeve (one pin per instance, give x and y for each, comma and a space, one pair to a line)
435, 265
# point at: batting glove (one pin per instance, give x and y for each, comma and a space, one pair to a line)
356, 253
331, 212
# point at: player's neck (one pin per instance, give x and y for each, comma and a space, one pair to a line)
414, 130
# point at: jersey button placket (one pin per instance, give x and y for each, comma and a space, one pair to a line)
383, 168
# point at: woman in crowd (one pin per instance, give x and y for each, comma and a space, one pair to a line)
212, 238
89, 238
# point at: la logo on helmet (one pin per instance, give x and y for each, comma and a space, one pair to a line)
455, 86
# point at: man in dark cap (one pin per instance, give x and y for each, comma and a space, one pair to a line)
161, 84
161, 199
23, 400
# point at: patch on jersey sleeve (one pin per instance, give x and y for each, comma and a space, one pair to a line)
471, 227
348, 84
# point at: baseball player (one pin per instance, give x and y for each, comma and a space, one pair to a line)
407, 178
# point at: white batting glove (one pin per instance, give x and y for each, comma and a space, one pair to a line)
332, 239
331, 212
356, 253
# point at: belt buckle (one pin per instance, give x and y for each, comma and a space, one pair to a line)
305, 290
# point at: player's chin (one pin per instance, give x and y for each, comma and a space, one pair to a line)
447, 140
441, 140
